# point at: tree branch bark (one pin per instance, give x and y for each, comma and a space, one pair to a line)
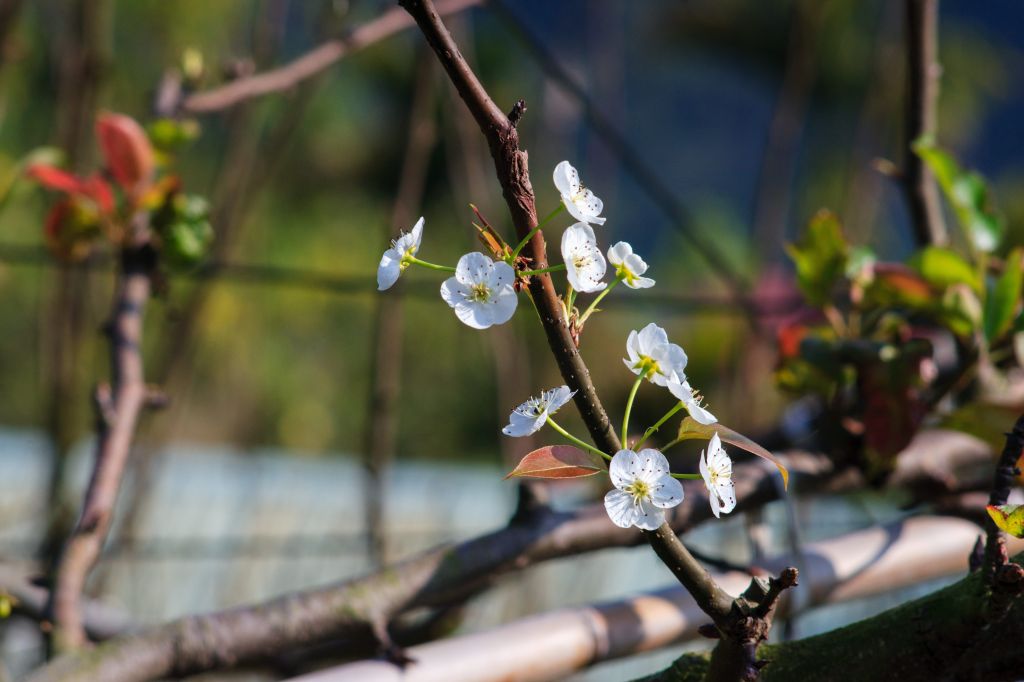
923, 73
116, 424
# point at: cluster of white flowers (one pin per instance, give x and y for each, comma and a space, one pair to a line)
482, 293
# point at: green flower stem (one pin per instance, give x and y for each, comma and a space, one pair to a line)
576, 441
651, 431
570, 298
526, 240
687, 477
593, 304
629, 406
433, 266
553, 268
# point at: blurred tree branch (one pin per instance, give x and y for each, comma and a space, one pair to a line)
310, 64
118, 408
923, 74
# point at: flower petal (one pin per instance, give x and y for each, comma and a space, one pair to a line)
589, 206
473, 268
640, 283
389, 269
503, 304
652, 465
666, 492
704, 471
620, 508
623, 468
716, 504
417, 234
520, 425
649, 338
567, 180
619, 252
501, 274
453, 291
649, 517
726, 493
558, 397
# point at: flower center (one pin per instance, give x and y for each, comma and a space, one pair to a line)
647, 366
639, 491
479, 293
539, 407
581, 261
625, 273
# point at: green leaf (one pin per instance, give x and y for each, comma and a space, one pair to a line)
967, 193
1009, 518
691, 429
558, 461
943, 267
820, 258
1003, 298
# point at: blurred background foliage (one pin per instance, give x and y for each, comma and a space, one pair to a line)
752, 126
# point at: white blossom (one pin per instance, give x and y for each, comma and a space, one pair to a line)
716, 468
692, 400
579, 201
529, 417
629, 266
393, 263
481, 291
643, 489
584, 262
649, 350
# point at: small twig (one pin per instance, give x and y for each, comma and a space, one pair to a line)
310, 64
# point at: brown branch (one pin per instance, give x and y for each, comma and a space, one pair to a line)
310, 64
117, 421
923, 73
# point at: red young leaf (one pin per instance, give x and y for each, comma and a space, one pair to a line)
98, 189
127, 151
558, 461
54, 178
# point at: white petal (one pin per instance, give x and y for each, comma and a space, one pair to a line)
503, 304
650, 337
618, 253
726, 493
666, 492
587, 279
716, 504
718, 459
475, 315
652, 465
620, 508
500, 274
567, 180
520, 425
389, 269
632, 348
474, 268
577, 235
699, 414
453, 291
635, 264
704, 471
575, 211
417, 234
649, 516
640, 283
559, 396
623, 468
671, 361
589, 206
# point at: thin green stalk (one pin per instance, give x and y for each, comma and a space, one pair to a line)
570, 298
553, 268
687, 477
526, 240
651, 431
593, 304
576, 441
677, 441
629, 406
433, 266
